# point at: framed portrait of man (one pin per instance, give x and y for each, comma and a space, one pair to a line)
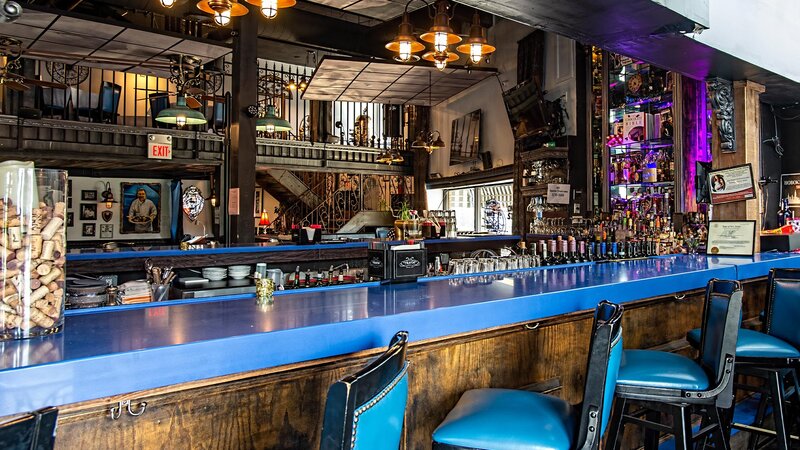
141, 208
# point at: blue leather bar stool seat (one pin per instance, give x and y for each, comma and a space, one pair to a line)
35, 430
660, 382
501, 419
366, 410
772, 354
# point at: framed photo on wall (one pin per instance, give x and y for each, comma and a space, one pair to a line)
732, 184
106, 231
88, 195
258, 202
88, 211
89, 229
141, 208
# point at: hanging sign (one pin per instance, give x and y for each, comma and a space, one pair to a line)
159, 146
233, 201
733, 184
558, 194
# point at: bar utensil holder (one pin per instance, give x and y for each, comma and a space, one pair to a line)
160, 292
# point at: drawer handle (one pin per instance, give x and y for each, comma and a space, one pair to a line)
532, 327
680, 296
116, 411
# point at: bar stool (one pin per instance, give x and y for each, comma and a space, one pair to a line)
504, 419
663, 382
35, 430
366, 410
772, 355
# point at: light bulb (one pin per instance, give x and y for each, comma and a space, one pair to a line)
440, 41
222, 18
269, 8
180, 120
476, 52
109, 205
168, 3
404, 51
270, 128
440, 63
292, 85
303, 84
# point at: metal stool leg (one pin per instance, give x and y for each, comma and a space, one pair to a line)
776, 386
651, 435
682, 427
722, 434
615, 427
752, 441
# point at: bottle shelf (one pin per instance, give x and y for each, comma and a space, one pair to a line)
643, 185
634, 147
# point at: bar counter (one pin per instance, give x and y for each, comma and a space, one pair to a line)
101, 354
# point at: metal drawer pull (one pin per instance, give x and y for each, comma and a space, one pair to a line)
531, 327
680, 296
116, 411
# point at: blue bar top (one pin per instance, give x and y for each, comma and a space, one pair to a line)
124, 351
86, 254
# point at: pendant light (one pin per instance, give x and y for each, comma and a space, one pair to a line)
476, 46
390, 156
271, 123
181, 115
168, 3
440, 59
440, 34
222, 10
405, 44
269, 8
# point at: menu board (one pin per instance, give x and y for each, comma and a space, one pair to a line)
733, 184
731, 237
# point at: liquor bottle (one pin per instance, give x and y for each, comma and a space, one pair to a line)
590, 251
582, 251
564, 257
546, 261
330, 276
553, 257
296, 282
308, 278
572, 258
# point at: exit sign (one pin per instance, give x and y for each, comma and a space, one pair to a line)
159, 146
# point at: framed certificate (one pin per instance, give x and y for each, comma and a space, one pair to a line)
733, 184
731, 237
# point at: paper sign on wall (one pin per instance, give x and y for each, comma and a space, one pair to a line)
233, 201
159, 146
558, 194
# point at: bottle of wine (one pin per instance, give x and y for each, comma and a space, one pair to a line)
546, 261
296, 281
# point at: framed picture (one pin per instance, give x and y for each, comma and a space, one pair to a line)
106, 231
69, 188
790, 192
89, 229
141, 208
733, 184
731, 237
70, 219
69, 202
89, 195
88, 211
258, 202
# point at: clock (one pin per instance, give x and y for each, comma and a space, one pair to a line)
635, 83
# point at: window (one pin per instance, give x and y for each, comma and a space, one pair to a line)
481, 208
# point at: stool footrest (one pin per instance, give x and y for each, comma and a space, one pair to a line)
761, 431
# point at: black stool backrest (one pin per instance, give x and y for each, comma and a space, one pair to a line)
357, 393
783, 305
720, 330
605, 354
33, 431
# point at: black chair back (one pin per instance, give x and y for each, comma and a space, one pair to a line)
720, 330
219, 116
33, 431
159, 101
605, 355
108, 101
783, 305
380, 386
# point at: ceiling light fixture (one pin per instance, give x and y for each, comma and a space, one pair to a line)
269, 8
271, 123
390, 156
440, 34
222, 10
476, 46
405, 44
440, 59
168, 3
181, 115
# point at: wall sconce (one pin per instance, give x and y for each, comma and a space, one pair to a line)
108, 196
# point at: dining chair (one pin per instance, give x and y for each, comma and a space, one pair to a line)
159, 101
511, 419
107, 103
32, 431
366, 410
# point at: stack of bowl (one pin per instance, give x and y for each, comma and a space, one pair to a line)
214, 273
239, 272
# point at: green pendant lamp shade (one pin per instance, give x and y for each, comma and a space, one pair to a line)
181, 115
271, 123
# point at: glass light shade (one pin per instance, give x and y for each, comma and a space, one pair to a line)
440, 64
476, 52
269, 8
440, 41
168, 3
303, 84
405, 51
222, 18
181, 115
292, 86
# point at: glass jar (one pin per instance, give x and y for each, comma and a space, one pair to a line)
32, 250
